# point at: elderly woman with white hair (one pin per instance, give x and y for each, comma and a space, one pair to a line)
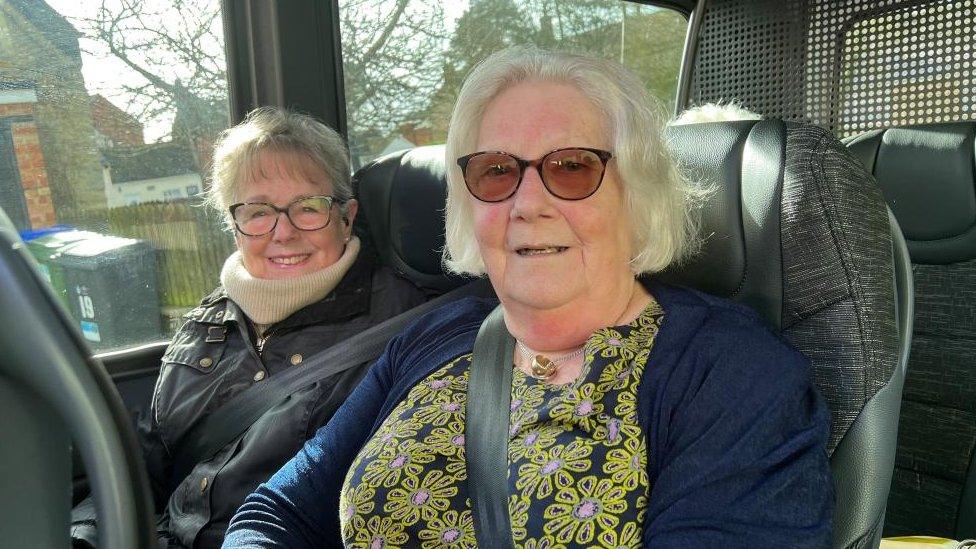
640, 413
296, 285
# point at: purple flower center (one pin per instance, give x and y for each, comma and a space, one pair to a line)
377, 543
623, 373
398, 461
614, 428
457, 440
586, 509
438, 384
451, 407
451, 535
420, 497
515, 404
614, 341
350, 511
551, 467
514, 429
388, 437
531, 438
585, 408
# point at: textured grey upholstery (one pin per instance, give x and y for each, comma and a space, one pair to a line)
841, 299
927, 175
799, 231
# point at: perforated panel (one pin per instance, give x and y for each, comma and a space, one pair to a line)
848, 66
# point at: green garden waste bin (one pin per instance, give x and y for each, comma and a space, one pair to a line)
47, 248
111, 287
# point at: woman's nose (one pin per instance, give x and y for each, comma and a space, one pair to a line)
284, 230
531, 198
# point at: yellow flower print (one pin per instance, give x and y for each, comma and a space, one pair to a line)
616, 375
381, 532
443, 380
355, 502
622, 538
626, 408
581, 407
404, 459
518, 510
526, 399
446, 407
642, 506
451, 529
392, 429
584, 510
413, 500
551, 470
627, 464
448, 441
544, 543
610, 343
532, 440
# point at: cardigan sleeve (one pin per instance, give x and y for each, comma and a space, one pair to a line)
737, 440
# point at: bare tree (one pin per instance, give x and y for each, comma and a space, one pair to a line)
391, 58
392, 53
176, 49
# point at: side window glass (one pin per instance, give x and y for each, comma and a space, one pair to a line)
108, 112
404, 60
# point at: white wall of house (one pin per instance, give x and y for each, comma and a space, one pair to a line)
151, 190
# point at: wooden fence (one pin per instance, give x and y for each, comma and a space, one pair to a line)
191, 246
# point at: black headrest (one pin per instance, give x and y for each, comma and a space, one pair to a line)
743, 162
926, 173
402, 198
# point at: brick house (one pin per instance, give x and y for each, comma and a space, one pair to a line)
49, 162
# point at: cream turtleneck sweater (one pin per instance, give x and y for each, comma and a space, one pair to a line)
266, 301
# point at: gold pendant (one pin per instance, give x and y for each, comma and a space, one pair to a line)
542, 367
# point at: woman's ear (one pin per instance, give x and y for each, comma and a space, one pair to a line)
349, 216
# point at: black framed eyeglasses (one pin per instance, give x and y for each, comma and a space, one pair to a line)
309, 213
573, 173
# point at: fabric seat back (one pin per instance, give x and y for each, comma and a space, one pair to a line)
926, 174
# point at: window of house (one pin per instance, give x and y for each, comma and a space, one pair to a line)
95, 97
403, 67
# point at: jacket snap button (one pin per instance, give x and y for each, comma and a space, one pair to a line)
206, 362
203, 484
259, 376
296, 359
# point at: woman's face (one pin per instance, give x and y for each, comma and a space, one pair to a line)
286, 251
540, 251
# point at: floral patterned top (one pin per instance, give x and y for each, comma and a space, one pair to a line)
577, 456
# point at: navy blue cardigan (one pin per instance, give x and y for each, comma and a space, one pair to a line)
736, 433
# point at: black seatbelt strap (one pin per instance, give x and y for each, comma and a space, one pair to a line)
237, 415
486, 432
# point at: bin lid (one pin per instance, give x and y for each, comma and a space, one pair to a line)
55, 240
34, 234
100, 245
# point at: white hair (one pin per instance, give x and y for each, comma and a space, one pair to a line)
715, 112
661, 204
238, 152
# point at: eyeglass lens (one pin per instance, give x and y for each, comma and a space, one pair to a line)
570, 174
307, 214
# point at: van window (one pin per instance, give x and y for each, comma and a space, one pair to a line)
108, 112
404, 61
